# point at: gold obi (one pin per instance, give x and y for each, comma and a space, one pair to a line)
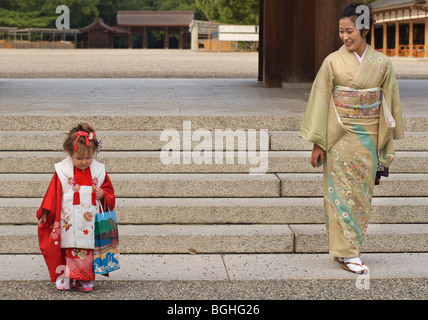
357, 104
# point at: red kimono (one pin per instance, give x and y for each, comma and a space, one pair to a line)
49, 232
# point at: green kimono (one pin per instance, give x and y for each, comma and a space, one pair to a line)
353, 114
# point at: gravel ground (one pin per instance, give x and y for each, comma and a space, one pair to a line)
386, 289
151, 63
125, 63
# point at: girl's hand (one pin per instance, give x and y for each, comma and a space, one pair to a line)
317, 152
43, 217
99, 194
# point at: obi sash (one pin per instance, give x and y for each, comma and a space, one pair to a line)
353, 103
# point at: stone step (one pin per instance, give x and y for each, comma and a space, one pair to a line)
35, 121
113, 140
53, 140
289, 141
215, 185
64, 123
150, 141
187, 162
228, 267
255, 238
156, 185
171, 239
311, 238
227, 210
396, 185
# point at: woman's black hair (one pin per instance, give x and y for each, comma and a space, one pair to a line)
351, 12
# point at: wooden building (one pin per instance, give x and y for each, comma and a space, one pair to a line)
142, 22
131, 24
401, 28
98, 35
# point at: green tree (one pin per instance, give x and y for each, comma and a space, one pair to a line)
41, 13
180, 5
33, 19
82, 12
23, 14
230, 11
107, 10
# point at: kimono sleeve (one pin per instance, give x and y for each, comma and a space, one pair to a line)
392, 95
314, 125
52, 198
109, 200
49, 233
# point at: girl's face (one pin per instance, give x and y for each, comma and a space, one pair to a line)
82, 158
351, 36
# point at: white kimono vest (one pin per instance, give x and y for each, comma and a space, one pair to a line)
77, 221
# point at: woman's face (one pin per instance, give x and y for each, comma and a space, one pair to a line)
351, 35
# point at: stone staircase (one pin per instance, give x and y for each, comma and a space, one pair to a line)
208, 208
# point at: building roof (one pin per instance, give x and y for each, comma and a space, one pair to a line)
383, 4
155, 18
15, 30
97, 23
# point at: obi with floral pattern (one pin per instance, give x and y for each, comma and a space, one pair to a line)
357, 104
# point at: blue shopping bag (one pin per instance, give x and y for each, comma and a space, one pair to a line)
106, 250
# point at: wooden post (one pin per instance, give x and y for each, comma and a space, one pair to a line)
166, 39
260, 48
275, 26
297, 36
180, 39
145, 42
130, 42
426, 38
397, 38
194, 37
385, 38
411, 38
326, 28
372, 37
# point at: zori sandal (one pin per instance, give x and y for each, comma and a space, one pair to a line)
63, 283
348, 266
84, 286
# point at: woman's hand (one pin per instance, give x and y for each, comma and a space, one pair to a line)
317, 152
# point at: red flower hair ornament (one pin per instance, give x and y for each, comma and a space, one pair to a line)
88, 136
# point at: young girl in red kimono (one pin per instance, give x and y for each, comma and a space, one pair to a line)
67, 214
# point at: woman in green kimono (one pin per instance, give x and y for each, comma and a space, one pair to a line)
353, 116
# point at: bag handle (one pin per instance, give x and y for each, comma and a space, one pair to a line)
101, 208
